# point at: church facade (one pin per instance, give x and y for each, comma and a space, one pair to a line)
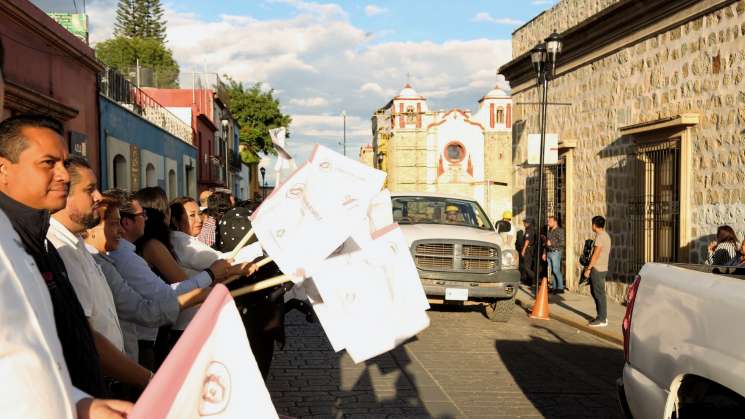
454, 152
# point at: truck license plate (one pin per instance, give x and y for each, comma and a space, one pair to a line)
457, 294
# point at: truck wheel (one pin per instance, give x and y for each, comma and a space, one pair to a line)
499, 310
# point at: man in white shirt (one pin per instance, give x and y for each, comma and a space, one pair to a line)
30, 351
87, 278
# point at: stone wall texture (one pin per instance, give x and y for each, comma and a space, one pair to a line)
698, 67
564, 15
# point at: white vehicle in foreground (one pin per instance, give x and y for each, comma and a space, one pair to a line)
684, 343
458, 254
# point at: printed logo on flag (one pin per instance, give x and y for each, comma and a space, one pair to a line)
296, 191
215, 390
325, 166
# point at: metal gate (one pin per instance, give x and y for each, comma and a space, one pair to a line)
654, 210
554, 193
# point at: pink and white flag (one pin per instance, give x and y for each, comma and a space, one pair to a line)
315, 210
210, 372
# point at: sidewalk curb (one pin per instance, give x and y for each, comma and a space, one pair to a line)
527, 306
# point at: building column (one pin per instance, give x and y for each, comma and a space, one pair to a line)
571, 260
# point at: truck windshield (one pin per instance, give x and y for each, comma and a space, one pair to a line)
433, 210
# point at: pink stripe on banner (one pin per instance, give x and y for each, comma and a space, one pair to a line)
383, 231
160, 394
276, 188
313, 152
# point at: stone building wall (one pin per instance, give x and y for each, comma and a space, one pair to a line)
564, 15
698, 67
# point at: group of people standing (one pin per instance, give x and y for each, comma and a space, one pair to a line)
549, 245
96, 287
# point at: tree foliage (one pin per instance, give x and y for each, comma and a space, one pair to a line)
122, 53
257, 111
140, 19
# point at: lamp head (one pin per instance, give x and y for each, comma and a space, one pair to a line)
538, 58
553, 49
263, 171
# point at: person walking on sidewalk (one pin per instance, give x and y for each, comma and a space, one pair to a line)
554, 246
597, 270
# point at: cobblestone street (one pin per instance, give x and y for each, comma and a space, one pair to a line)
463, 366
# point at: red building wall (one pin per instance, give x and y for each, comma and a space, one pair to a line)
50, 71
201, 102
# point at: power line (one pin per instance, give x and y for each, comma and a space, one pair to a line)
75, 3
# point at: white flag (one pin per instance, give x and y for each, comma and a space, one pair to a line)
315, 210
210, 372
371, 300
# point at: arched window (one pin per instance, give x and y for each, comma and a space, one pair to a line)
120, 172
410, 115
172, 186
150, 179
500, 115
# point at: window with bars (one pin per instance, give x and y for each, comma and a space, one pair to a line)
654, 210
554, 193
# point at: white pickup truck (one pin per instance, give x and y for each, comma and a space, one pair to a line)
684, 343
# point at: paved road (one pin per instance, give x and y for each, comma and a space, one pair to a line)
463, 366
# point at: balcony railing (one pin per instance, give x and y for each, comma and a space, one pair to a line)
235, 160
116, 87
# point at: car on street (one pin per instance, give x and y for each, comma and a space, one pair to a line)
458, 254
684, 345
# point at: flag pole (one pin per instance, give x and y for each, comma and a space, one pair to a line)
268, 283
241, 243
259, 264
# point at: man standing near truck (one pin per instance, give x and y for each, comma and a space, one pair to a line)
597, 270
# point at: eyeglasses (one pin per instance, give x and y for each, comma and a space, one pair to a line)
142, 214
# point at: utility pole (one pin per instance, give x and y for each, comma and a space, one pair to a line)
344, 118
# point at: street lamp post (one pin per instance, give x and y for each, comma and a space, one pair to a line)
344, 118
263, 183
543, 58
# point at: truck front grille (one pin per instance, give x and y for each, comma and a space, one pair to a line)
456, 257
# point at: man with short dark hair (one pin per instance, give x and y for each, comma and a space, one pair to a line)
88, 280
138, 274
554, 249
33, 183
528, 254
597, 270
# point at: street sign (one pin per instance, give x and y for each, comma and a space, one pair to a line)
551, 155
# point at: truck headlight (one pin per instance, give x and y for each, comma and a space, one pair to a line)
510, 259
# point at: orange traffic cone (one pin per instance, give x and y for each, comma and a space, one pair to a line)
540, 309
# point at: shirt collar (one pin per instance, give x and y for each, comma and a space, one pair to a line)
63, 233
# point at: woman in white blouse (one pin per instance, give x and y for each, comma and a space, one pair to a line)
193, 255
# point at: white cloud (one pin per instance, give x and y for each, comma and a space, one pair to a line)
373, 10
541, 2
319, 64
311, 102
486, 17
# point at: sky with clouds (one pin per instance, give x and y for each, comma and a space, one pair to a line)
325, 58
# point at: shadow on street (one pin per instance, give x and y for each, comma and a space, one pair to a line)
308, 379
574, 378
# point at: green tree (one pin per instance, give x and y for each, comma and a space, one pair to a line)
125, 20
122, 53
140, 19
257, 111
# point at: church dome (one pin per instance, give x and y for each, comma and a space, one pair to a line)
408, 92
497, 92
